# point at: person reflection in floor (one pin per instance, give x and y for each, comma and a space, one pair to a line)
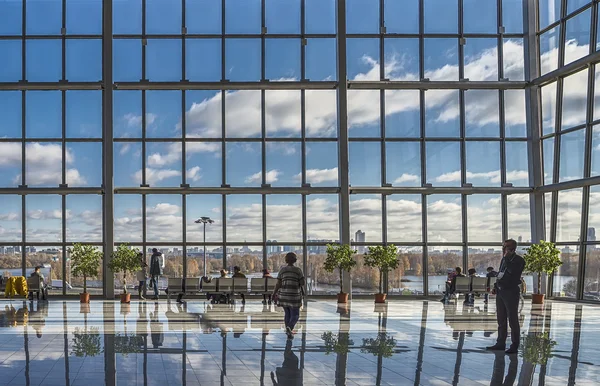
37, 317
498, 378
156, 328
290, 373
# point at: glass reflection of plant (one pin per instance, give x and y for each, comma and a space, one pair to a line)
338, 343
86, 343
537, 348
128, 344
382, 345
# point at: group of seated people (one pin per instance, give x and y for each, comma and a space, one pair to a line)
36, 274
469, 297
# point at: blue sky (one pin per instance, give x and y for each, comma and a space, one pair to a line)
243, 120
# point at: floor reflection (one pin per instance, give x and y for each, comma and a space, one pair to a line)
399, 343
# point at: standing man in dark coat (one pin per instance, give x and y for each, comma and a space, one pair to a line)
507, 299
157, 263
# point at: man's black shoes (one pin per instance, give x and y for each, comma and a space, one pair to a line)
512, 350
496, 347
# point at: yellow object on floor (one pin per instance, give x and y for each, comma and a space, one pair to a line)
16, 285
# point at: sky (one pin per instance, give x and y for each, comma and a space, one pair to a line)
204, 152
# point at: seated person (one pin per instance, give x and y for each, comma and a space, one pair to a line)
490, 273
266, 274
451, 286
237, 274
470, 298
38, 274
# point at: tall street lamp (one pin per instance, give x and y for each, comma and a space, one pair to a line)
204, 220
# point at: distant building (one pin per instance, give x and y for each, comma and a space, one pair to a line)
520, 239
360, 237
591, 234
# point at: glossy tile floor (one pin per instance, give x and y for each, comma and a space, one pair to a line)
406, 342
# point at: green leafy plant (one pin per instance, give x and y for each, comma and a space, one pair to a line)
542, 257
128, 344
125, 261
339, 257
383, 258
85, 261
86, 343
537, 348
382, 345
338, 343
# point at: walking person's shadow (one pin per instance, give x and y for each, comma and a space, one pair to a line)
498, 378
290, 373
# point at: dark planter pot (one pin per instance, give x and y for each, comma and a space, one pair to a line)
380, 298
125, 298
342, 297
537, 299
84, 297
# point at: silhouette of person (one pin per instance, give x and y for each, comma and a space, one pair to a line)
290, 373
498, 378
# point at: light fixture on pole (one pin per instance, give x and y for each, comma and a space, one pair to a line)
204, 220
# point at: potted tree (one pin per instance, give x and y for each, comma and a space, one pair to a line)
382, 345
539, 258
537, 348
340, 257
385, 259
85, 261
338, 343
86, 343
125, 261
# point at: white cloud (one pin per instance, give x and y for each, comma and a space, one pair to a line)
272, 176
194, 174
492, 176
317, 176
40, 214
133, 120
11, 216
155, 175
406, 177
163, 209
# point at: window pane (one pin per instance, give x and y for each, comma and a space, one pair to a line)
163, 60
595, 151
363, 59
482, 115
282, 60
84, 60
284, 161
320, 59
10, 52
244, 165
572, 150
204, 164
128, 164
443, 163
549, 11
441, 67
364, 113
321, 113
203, 16
11, 17
442, 113
442, 261
44, 17
127, 60
322, 218
164, 221
243, 59
284, 218
480, 16
197, 67
84, 114
127, 114
481, 257
44, 218
44, 60
163, 114
483, 163
519, 220
400, 16
43, 163
441, 16
362, 16
512, 16
320, 16
84, 218
548, 108
517, 166
481, 59
84, 164
548, 215
244, 218
578, 36
128, 218
591, 289
163, 166
365, 218
568, 221
402, 113
514, 114
484, 218
10, 220
574, 92
242, 16
365, 164
403, 163
243, 114
549, 42
204, 206
44, 114
283, 110
127, 16
565, 278
203, 114
322, 163
163, 17
282, 17
548, 155
404, 218
10, 111
10, 166
444, 218
84, 17
513, 59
